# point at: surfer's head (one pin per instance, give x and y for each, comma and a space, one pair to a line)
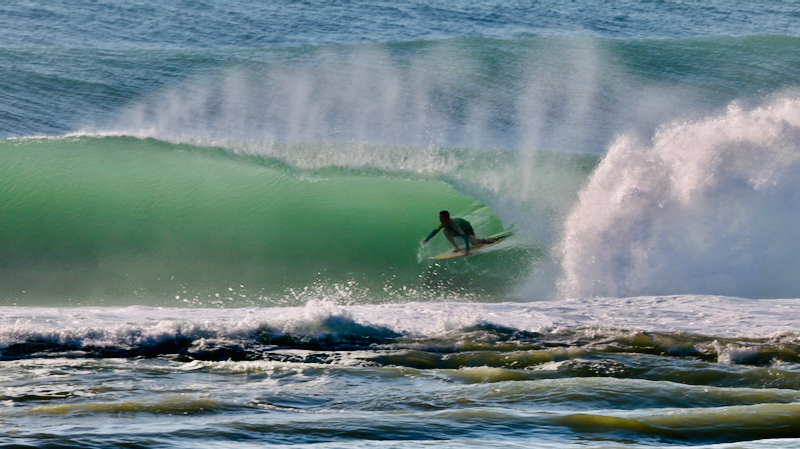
444, 217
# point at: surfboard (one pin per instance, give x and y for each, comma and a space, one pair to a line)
473, 249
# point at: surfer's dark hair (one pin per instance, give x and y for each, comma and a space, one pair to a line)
445, 214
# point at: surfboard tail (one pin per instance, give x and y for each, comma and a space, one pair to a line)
502, 235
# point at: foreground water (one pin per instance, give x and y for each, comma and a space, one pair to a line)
210, 216
649, 371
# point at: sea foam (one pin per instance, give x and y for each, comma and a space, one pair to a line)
707, 206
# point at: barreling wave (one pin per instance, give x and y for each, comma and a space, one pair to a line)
120, 220
126, 220
268, 176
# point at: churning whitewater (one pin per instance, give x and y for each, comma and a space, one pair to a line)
705, 206
210, 216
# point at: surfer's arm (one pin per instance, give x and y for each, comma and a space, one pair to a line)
430, 236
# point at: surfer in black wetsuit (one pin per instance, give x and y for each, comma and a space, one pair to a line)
456, 227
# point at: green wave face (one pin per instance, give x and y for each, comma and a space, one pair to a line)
118, 220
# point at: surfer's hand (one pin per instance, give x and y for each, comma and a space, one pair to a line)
423, 243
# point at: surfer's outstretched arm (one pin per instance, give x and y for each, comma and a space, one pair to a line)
430, 236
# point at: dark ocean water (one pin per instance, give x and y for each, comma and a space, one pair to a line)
210, 215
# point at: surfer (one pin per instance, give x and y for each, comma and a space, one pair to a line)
456, 227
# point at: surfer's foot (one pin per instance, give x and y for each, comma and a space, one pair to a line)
489, 240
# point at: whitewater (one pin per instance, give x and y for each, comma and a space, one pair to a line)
211, 215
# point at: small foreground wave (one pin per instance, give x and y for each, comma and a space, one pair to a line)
479, 342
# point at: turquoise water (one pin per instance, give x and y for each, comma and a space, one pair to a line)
116, 220
211, 215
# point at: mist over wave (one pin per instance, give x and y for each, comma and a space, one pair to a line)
707, 206
528, 94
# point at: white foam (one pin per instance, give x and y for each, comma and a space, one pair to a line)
709, 315
706, 207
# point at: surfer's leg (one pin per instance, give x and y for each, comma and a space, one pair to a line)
472, 239
476, 241
449, 234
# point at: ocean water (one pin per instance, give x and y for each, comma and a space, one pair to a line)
210, 215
